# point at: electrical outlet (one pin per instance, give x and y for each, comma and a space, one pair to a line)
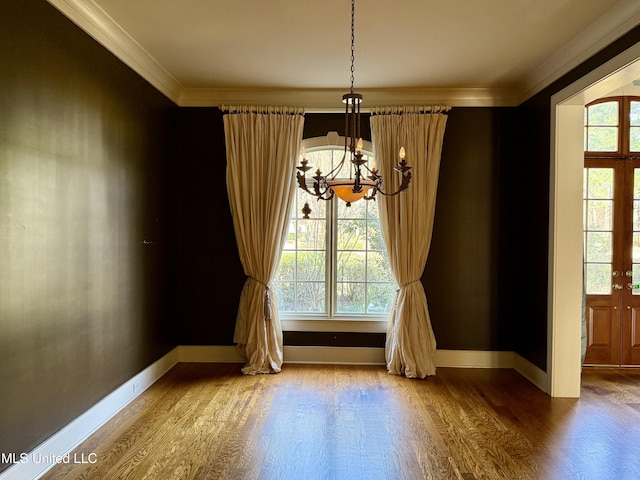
136, 386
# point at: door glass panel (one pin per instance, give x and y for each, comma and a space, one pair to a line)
600, 215
600, 183
598, 226
635, 266
634, 139
598, 279
634, 133
599, 247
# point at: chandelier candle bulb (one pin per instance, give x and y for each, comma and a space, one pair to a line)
401, 153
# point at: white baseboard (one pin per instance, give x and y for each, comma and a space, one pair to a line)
349, 356
56, 448
531, 372
473, 359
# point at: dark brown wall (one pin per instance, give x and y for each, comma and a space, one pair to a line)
84, 145
208, 276
465, 274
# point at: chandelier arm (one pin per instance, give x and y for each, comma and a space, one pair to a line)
317, 191
406, 179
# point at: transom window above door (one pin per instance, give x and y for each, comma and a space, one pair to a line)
612, 127
334, 270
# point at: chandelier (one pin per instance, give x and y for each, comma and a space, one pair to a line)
362, 179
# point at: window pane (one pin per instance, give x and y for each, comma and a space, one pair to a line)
378, 267
600, 183
356, 210
634, 139
634, 114
285, 292
310, 297
599, 214
603, 114
635, 279
318, 207
374, 238
321, 159
286, 267
599, 247
312, 234
351, 266
380, 297
351, 297
311, 265
636, 215
290, 240
602, 139
598, 279
351, 234
636, 248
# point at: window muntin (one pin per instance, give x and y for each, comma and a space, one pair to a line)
334, 265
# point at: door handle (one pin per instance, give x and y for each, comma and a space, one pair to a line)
632, 286
629, 273
617, 286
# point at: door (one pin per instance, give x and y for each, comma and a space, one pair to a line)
611, 197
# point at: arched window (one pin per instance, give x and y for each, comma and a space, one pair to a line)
334, 265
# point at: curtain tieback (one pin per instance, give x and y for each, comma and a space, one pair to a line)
267, 298
407, 284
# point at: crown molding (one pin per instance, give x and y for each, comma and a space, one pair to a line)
98, 24
330, 100
609, 27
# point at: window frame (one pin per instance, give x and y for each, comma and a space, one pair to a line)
332, 321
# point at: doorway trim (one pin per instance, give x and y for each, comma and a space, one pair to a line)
564, 309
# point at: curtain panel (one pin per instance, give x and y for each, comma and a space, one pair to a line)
262, 149
407, 224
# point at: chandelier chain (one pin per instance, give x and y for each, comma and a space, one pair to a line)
353, 38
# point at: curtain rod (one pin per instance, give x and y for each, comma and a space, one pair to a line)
262, 109
398, 109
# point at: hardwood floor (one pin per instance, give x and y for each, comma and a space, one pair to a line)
350, 422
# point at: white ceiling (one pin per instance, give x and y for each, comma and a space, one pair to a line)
460, 52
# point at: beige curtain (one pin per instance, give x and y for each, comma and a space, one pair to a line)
407, 223
262, 151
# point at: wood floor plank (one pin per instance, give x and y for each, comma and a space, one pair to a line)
208, 421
